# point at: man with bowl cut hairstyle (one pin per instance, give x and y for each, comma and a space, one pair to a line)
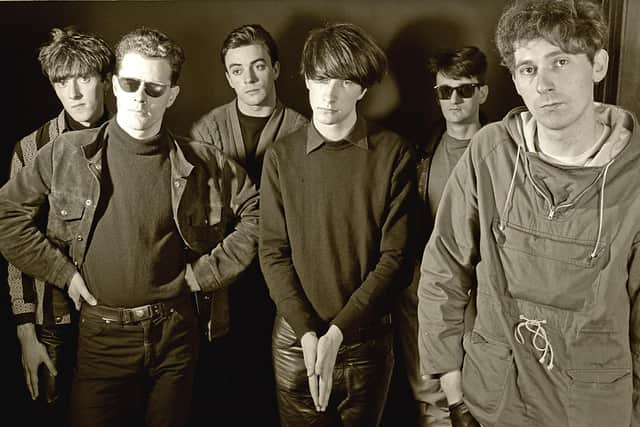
539, 217
78, 66
337, 197
139, 220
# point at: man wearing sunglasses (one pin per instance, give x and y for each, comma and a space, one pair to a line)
139, 219
79, 67
540, 217
460, 88
243, 129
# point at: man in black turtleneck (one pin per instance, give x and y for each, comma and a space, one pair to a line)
138, 219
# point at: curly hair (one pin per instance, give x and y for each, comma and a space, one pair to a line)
71, 53
343, 51
575, 26
153, 44
467, 62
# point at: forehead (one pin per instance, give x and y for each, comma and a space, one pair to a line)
145, 68
535, 50
443, 79
247, 54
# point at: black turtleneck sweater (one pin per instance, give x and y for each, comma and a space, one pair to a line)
135, 254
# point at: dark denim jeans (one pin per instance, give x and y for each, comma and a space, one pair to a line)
361, 380
135, 373
54, 391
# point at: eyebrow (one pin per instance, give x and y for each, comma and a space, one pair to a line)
235, 64
551, 54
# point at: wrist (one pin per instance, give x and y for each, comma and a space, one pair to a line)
26, 332
335, 333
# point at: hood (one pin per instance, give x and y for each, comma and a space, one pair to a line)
617, 123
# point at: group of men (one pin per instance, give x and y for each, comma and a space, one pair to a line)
500, 258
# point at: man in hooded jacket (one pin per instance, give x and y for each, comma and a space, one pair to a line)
546, 231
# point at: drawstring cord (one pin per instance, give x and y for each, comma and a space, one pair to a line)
539, 334
601, 210
503, 218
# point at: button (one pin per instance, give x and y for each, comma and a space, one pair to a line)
176, 184
206, 221
75, 263
98, 166
64, 212
88, 202
79, 237
139, 313
58, 319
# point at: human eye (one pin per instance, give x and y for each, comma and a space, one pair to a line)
236, 71
527, 70
84, 79
561, 62
347, 83
261, 66
61, 83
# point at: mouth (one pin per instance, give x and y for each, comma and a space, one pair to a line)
327, 110
252, 91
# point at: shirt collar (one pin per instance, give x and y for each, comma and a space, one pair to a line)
357, 136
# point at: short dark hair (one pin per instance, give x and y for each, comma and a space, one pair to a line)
466, 62
71, 53
575, 26
343, 51
154, 44
248, 35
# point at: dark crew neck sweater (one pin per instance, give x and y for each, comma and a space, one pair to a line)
251, 129
335, 226
135, 254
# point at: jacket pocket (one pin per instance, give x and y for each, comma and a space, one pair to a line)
487, 368
600, 397
532, 262
65, 214
206, 230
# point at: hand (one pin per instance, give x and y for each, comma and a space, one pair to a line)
78, 291
191, 280
34, 353
461, 417
309, 342
328, 346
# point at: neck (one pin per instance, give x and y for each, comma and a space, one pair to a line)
571, 141
140, 134
463, 130
93, 120
337, 131
263, 110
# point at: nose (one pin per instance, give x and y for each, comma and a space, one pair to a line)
250, 76
455, 97
544, 81
330, 90
73, 89
140, 95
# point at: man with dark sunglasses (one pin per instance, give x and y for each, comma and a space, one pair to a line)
78, 66
139, 220
243, 129
460, 89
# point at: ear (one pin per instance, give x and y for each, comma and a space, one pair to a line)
114, 85
483, 92
515, 83
276, 70
362, 94
306, 83
600, 65
226, 74
173, 94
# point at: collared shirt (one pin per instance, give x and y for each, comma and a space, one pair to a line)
357, 136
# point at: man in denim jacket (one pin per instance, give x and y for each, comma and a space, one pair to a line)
138, 219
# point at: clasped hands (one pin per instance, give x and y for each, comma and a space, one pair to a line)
320, 359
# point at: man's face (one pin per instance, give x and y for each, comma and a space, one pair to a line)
82, 97
333, 100
459, 109
139, 113
251, 74
556, 87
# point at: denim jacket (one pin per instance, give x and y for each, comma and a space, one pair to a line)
214, 203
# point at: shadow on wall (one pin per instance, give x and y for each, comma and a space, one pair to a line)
416, 108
